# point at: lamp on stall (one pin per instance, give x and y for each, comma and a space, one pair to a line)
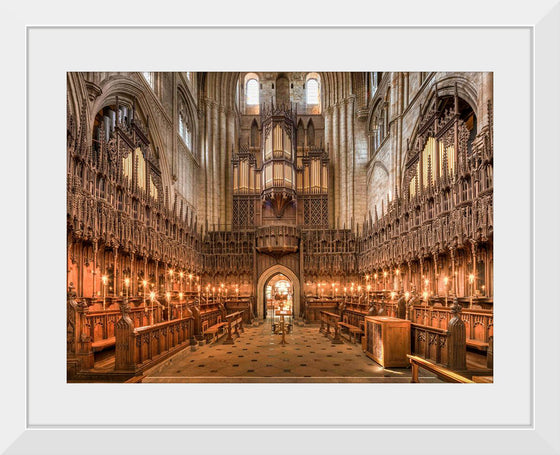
152, 297
170, 280
104, 280
126, 284
144, 284
168, 297
471, 282
445, 283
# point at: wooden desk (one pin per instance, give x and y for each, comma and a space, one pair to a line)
387, 340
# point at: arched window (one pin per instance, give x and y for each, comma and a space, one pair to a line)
184, 130
150, 78
252, 92
312, 91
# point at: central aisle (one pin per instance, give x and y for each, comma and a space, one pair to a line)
258, 356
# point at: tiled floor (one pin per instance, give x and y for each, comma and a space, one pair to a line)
258, 356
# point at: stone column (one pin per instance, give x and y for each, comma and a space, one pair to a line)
343, 163
209, 164
222, 151
351, 161
215, 182
335, 162
228, 170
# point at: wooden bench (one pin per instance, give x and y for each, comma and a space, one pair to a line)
213, 333
329, 319
353, 331
234, 324
103, 344
481, 345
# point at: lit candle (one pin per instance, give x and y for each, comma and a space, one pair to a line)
168, 297
126, 283
170, 287
152, 297
104, 280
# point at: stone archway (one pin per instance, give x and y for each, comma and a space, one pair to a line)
269, 273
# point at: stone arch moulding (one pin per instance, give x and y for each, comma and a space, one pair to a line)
269, 273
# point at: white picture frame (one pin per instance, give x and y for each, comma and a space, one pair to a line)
338, 418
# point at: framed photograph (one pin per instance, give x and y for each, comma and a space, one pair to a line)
278, 233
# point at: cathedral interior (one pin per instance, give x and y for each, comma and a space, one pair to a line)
279, 227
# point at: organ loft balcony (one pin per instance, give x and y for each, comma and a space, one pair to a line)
277, 240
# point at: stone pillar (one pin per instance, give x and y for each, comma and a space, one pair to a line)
210, 165
230, 140
343, 163
456, 339
222, 151
351, 161
336, 163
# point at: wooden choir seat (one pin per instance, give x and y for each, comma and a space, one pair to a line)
477, 344
103, 344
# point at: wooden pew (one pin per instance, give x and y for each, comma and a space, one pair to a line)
443, 373
479, 322
213, 333
353, 331
234, 325
329, 319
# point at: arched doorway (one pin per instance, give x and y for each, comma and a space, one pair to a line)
278, 293
263, 282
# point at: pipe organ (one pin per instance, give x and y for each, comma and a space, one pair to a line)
278, 182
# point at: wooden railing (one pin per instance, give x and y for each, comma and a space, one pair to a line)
479, 324
430, 343
139, 348
443, 373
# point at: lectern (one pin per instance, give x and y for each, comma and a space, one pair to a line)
387, 340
